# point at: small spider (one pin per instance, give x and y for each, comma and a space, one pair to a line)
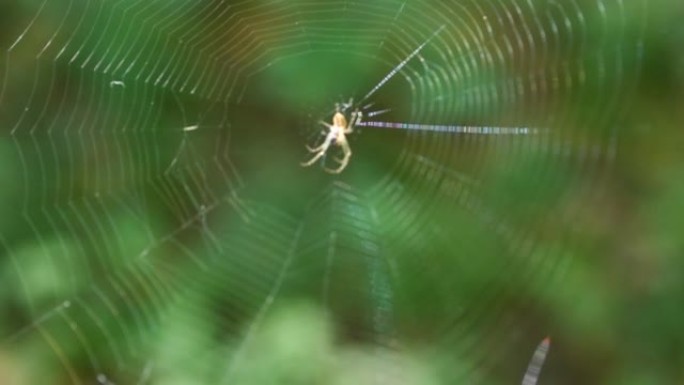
336, 135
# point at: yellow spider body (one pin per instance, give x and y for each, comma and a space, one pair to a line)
336, 135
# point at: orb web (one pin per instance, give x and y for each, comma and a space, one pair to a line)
151, 151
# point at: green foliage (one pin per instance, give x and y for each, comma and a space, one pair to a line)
156, 227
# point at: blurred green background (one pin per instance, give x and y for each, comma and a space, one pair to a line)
157, 227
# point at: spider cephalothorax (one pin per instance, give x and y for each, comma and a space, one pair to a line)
336, 135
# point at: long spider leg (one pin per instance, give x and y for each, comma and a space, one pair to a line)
313, 160
343, 158
323, 148
336, 170
343, 162
352, 122
315, 149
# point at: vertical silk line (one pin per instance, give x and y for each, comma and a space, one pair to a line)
381, 297
381, 294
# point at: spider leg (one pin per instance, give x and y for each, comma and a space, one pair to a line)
313, 160
321, 151
315, 149
344, 161
325, 143
353, 121
350, 126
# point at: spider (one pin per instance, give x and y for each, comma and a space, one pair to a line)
336, 135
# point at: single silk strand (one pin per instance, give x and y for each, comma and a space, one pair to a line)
402, 64
454, 129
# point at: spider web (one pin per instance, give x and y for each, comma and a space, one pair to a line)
150, 152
